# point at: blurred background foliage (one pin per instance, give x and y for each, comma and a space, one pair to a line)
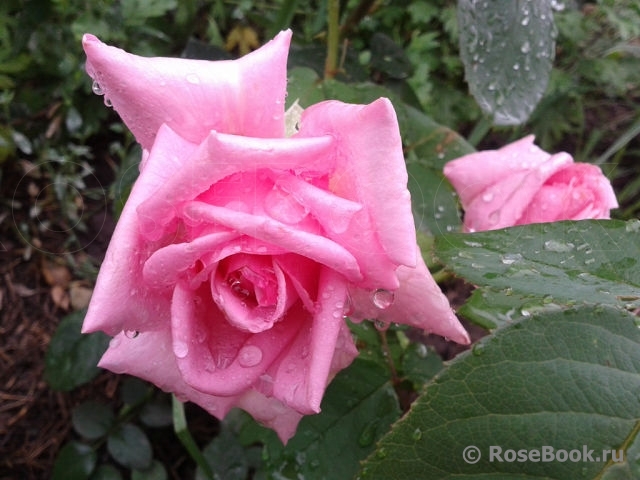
67, 162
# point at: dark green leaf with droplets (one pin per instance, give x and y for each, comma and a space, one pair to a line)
563, 379
507, 48
562, 263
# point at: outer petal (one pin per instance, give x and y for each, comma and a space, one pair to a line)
121, 299
418, 302
370, 168
472, 174
503, 203
150, 357
244, 96
220, 156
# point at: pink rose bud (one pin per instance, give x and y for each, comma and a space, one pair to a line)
240, 252
520, 184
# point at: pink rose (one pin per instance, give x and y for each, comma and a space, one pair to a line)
520, 184
239, 251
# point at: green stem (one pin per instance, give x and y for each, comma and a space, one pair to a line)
333, 38
184, 435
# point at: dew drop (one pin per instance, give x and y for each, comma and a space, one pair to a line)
487, 197
382, 298
180, 349
131, 333
97, 88
478, 350
417, 434
381, 325
193, 78
494, 217
107, 102
421, 350
249, 356
556, 246
511, 258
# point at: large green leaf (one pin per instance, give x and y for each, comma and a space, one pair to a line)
555, 264
507, 48
568, 379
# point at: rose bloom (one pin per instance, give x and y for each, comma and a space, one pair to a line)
240, 251
521, 184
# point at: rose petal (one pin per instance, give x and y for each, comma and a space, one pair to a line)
518, 157
370, 168
418, 302
221, 156
244, 96
312, 246
213, 356
308, 365
120, 299
149, 356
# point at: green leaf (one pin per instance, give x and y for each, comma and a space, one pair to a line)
106, 472
130, 447
226, 457
155, 472
156, 414
563, 379
72, 357
92, 420
136, 12
562, 263
75, 461
507, 49
358, 407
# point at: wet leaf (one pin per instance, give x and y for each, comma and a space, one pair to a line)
507, 48
569, 380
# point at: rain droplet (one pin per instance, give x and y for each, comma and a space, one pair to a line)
421, 350
494, 217
526, 47
511, 258
180, 349
417, 434
589, 261
556, 246
193, 78
249, 356
382, 298
478, 349
381, 325
107, 102
97, 88
131, 333
487, 197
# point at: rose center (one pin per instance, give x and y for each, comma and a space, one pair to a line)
254, 287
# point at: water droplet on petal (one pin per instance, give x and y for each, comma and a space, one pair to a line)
131, 333
107, 102
382, 298
97, 88
193, 78
494, 217
487, 197
180, 349
249, 356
